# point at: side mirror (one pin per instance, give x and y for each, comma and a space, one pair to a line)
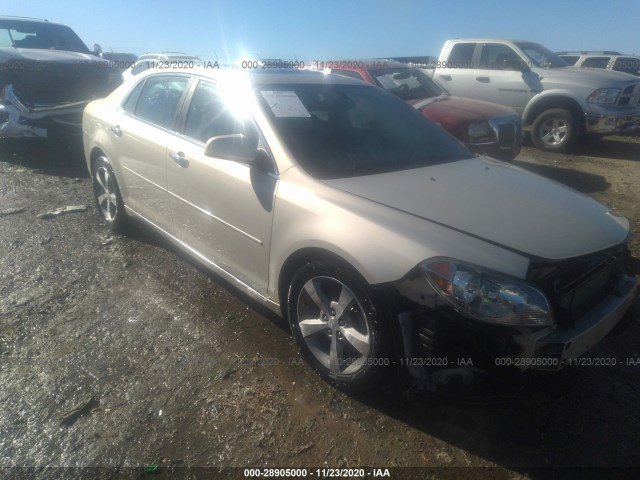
524, 68
234, 147
97, 49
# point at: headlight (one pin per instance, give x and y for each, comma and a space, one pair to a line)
477, 130
604, 95
488, 296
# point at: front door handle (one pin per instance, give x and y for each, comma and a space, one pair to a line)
483, 79
117, 131
179, 158
446, 77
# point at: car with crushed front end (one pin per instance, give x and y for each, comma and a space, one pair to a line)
484, 127
385, 243
47, 77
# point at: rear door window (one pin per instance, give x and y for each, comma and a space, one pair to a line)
461, 56
596, 62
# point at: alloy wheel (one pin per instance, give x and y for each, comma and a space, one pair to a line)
333, 325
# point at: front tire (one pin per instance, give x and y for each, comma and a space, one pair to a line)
107, 195
555, 130
337, 326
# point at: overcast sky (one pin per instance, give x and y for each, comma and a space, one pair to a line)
329, 29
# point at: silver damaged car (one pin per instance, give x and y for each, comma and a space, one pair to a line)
386, 244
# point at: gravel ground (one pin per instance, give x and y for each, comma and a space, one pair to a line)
169, 367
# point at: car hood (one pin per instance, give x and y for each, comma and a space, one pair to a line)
45, 55
497, 202
42, 79
588, 77
460, 109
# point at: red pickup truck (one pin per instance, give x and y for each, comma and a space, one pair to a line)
485, 128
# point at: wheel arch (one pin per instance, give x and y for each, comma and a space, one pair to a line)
553, 101
301, 257
96, 152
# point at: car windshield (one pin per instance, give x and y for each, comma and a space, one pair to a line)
541, 56
50, 36
338, 131
406, 83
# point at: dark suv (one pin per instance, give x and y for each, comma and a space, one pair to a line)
47, 76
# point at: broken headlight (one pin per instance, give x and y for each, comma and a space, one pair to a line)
488, 296
480, 132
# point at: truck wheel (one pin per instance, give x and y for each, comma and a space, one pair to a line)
555, 130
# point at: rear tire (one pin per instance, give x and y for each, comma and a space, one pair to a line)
555, 130
107, 195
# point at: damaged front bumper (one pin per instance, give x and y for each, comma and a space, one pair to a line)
20, 121
437, 344
552, 350
615, 121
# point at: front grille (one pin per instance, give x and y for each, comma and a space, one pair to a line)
506, 135
630, 95
577, 285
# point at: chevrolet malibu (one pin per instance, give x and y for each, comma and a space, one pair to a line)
386, 244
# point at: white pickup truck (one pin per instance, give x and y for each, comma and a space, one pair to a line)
557, 103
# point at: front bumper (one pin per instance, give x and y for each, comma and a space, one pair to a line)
600, 124
552, 350
15, 123
508, 139
18, 120
462, 342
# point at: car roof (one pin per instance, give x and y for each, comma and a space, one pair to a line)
480, 40
146, 56
369, 63
28, 20
589, 52
282, 76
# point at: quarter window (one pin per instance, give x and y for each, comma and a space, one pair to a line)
129, 104
159, 99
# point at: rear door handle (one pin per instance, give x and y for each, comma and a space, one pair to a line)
483, 79
179, 158
446, 77
116, 130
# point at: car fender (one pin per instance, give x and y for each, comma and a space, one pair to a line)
383, 244
554, 98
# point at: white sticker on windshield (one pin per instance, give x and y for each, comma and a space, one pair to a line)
285, 104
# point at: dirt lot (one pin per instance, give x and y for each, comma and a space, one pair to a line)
180, 370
